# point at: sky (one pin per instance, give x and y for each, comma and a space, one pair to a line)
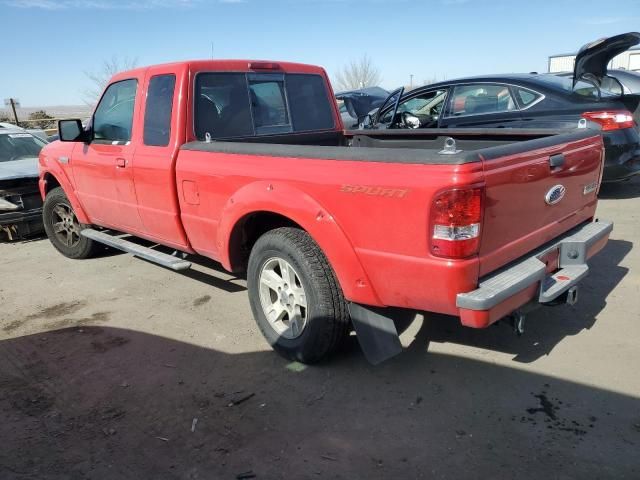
50, 45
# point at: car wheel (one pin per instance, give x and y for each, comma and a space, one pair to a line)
63, 228
295, 297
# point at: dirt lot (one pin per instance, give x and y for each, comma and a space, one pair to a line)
115, 368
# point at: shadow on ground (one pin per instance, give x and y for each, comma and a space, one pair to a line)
620, 190
97, 402
545, 327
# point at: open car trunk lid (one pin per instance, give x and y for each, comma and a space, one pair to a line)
535, 191
592, 59
632, 102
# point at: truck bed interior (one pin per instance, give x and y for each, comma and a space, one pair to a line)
418, 146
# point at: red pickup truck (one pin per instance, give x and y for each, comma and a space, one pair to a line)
247, 163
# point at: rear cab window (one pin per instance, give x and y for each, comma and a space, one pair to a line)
233, 105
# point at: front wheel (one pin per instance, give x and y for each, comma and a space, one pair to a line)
295, 297
63, 228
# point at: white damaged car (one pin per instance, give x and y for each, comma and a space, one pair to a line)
20, 202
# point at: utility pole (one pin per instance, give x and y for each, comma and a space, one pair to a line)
211, 50
14, 103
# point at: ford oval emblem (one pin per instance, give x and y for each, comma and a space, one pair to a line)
555, 194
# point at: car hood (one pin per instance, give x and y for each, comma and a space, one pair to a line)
25, 168
592, 59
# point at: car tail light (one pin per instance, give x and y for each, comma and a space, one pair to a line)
611, 119
456, 216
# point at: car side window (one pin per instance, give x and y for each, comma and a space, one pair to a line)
113, 119
426, 104
525, 96
480, 99
157, 113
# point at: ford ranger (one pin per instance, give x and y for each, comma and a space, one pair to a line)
247, 163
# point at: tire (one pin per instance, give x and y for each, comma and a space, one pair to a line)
78, 247
323, 323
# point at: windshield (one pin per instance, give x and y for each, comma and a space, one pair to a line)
18, 146
582, 88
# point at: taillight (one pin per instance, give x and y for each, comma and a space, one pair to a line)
611, 119
455, 221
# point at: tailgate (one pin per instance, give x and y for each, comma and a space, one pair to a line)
535, 191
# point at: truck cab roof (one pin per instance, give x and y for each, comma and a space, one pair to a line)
231, 65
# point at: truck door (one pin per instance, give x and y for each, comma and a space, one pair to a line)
102, 168
163, 113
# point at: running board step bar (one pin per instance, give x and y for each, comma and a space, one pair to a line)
168, 261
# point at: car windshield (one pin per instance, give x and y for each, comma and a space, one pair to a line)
582, 88
18, 146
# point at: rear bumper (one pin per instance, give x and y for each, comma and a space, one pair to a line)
622, 154
542, 276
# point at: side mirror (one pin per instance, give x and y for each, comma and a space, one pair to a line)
366, 122
71, 131
409, 120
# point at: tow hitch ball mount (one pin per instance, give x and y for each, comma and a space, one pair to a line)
517, 321
517, 318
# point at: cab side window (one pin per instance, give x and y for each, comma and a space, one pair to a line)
113, 118
157, 114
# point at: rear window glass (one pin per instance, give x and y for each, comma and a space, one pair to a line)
229, 105
269, 104
582, 88
222, 106
157, 115
309, 103
18, 146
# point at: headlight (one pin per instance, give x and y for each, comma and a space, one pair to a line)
6, 205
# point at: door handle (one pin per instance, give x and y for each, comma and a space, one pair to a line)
556, 160
121, 162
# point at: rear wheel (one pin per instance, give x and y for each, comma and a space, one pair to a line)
63, 228
295, 297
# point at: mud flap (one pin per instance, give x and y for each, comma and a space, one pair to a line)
376, 333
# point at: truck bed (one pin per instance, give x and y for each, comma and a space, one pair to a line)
399, 185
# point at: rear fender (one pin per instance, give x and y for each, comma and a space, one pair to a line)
305, 211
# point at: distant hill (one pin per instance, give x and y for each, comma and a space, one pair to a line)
57, 111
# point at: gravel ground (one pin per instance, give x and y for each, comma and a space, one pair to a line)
116, 368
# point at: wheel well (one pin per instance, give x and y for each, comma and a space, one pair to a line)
247, 231
52, 182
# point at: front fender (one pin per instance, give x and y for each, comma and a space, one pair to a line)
298, 206
51, 169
